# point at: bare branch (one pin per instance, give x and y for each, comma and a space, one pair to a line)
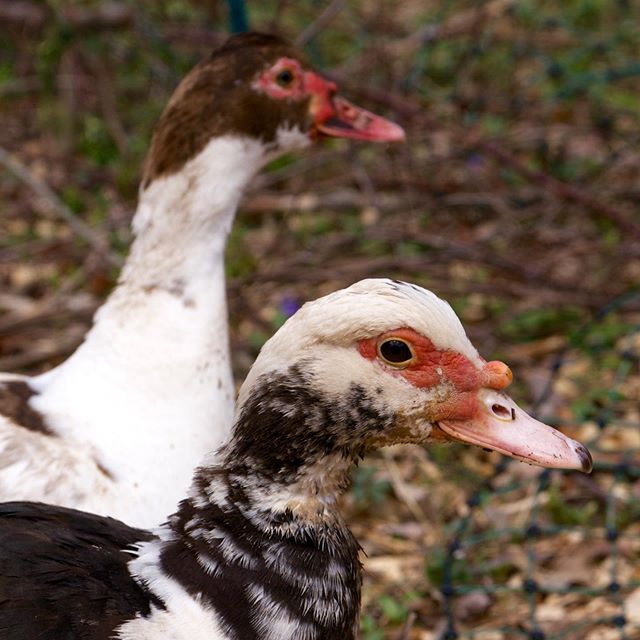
410, 109
321, 22
59, 208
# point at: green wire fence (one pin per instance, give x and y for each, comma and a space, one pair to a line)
623, 469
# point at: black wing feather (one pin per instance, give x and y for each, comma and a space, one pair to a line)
64, 575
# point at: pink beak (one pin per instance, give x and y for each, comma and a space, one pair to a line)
336, 117
501, 425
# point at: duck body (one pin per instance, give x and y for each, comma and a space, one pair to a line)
215, 582
258, 549
99, 573
157, 355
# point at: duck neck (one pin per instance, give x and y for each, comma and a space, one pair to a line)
245, 544
262, 519
183, 220
163, 333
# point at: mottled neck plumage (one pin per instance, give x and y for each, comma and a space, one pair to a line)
261, 531
288, 426
297, 575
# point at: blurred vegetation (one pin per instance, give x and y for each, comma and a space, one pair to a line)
516, 197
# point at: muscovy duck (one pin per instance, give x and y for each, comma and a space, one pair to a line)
258, 549
119, 426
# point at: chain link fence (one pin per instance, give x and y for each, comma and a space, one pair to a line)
614, 520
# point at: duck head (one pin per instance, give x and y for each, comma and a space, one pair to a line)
380, 363
258, 87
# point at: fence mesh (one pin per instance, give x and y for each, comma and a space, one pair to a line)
617, 472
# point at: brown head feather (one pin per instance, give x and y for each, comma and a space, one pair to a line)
216, 98
15, 396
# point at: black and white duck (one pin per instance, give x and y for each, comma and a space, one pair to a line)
258, 549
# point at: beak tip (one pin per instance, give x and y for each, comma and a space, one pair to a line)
340, 118
398, 135
586, 461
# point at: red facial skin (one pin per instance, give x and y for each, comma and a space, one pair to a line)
267, 82
432, 367
332, 115
322, 93
464, 405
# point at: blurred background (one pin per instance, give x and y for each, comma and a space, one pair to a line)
516, 197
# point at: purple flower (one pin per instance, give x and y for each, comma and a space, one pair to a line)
475, 161
289, 305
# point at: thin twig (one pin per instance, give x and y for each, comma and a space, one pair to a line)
563, 190
400, 488
340, 199
321, 22
59, 208
59, 348
107, 94
41, 314
345, 271
20, 86
456, 25
68, 91
274, 23
35, 16
405, 634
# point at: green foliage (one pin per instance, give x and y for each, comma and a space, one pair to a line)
257, 340
604, 334
367, 488
239, 262
494, 125
392, 609
540, 322
48, 55
627, 514
597, 404
96, 143
409, 249
436, 568
369, 628
282, 162
563, 513
73, 198
6, 73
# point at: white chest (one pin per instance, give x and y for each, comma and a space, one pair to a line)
150, 393
186, 619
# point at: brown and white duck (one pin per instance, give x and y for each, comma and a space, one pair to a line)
118, 428
258, 550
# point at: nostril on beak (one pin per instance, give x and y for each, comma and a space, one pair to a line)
503, 412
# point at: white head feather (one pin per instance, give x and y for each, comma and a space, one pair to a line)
364, 310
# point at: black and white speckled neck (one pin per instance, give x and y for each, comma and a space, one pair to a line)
289, 423
263, 522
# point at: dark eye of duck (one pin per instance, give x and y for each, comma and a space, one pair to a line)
285, 78
395, 352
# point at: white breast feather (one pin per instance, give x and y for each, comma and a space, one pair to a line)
185, 617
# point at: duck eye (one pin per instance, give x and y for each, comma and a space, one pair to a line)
285, 78
395, 352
